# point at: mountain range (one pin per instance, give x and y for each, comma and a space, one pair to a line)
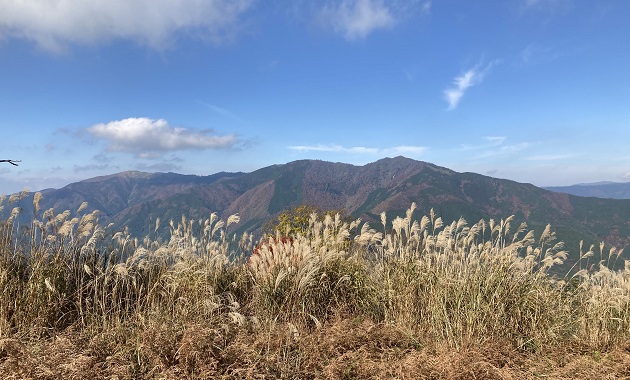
136, 199
612, 190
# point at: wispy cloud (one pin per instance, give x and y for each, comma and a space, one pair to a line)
149, 138
397, 150
505, 150
91, 167
40, 182
536, 53
492, 172
494, 146
490, 141
550, 157
495, 140
333, 148
406, 150
102, 157
546, 10
159, 166
224, 112
409, 75
356, 19
531, 3
54, 24
463, 82
546, 4
426, 7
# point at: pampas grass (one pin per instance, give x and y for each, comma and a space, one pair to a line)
185, 306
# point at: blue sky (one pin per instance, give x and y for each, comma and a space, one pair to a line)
530, 90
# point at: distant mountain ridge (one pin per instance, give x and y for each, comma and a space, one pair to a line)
611, 190
136, 199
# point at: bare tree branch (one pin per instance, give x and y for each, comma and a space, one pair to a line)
12, 162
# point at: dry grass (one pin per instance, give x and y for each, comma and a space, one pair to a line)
342, 349
423, 300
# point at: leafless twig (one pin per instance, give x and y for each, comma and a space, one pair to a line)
12, 162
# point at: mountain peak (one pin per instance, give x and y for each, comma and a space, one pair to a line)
133, 199
129, 174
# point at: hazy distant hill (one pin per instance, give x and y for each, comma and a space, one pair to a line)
612, 190
136, 199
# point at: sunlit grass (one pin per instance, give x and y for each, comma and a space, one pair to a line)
142, 307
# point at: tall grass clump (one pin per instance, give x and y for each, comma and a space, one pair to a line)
63, 271
603, 297
201, 299
38, 270
491, 282
312, 276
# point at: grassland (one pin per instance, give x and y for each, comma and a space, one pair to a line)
424, 299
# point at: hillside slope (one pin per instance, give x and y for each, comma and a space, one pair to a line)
135, 199
612, 190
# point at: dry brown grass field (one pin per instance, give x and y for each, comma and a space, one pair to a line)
340, 300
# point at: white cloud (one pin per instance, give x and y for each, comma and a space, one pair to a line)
155, 23
463, 82
398, 150
333, 148
454, 94
148, 138
355, 19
